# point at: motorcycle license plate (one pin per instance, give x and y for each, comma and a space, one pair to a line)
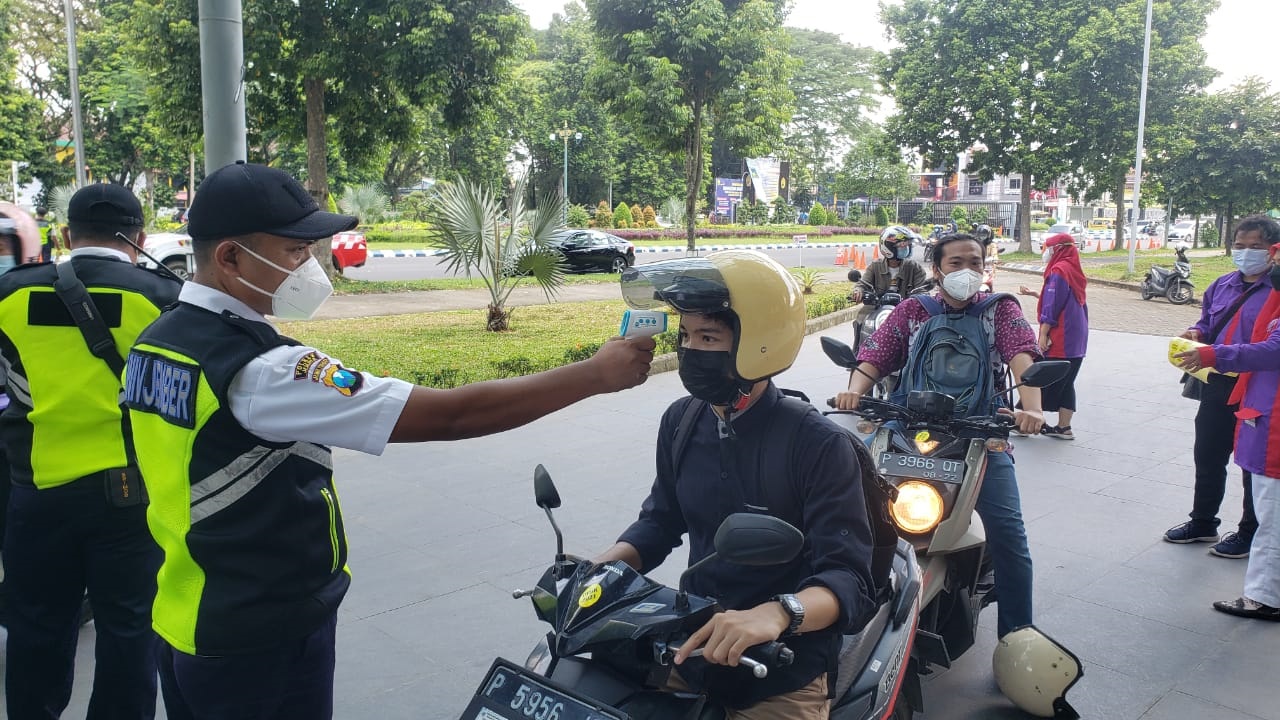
918, 466
510, 692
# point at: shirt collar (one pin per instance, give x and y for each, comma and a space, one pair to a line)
97, 251
217, 302
754, 417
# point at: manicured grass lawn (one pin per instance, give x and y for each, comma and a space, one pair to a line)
347, 286
446, 349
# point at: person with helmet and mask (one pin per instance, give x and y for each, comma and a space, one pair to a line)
957, 267
742, 322
895, 271
234, 424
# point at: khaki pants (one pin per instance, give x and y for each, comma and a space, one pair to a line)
808, 703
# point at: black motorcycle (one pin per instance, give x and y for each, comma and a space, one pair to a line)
1174, 284
615, 632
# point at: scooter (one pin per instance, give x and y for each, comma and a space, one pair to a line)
1174, 284
614, 634
937, 463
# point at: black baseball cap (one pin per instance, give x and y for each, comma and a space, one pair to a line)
106, 204
244, 198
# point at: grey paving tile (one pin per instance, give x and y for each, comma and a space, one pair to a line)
1180, 706
1241, 674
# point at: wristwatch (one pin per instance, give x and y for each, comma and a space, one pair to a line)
794, 609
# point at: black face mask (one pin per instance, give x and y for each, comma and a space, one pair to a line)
1275, 277
708, 375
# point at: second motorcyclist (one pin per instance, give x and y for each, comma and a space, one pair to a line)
895, 271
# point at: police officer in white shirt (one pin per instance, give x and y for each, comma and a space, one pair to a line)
234, 421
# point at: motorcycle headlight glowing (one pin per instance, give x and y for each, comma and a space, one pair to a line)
918, 508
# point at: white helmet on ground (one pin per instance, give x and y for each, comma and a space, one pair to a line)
1035, 672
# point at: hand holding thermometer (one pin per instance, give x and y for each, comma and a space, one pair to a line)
642, 323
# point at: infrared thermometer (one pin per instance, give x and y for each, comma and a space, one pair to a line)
642, 323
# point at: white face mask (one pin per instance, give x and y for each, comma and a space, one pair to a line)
301, 293
1251, 261
1048, 253
962, 284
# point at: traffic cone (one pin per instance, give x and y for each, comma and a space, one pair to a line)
861, 262
842, 256
875, 251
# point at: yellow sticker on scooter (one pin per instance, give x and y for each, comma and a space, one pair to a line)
589, 596
922, 436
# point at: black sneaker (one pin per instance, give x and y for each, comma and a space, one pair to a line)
1061, 432
1232, 545
1190, 532
1244, 607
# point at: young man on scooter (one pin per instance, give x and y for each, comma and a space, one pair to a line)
750, 449
895, 271
957, 267
1227, 315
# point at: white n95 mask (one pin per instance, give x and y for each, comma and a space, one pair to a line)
301, 293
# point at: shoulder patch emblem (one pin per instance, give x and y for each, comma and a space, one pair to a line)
321, 370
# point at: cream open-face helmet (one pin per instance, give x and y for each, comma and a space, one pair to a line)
1035, 672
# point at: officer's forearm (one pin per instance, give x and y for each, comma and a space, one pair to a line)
492, 406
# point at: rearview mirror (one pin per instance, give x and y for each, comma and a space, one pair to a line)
544, 490
1045, 373
842, 355
855, 275
752, 539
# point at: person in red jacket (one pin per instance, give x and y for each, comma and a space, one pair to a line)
1257, 447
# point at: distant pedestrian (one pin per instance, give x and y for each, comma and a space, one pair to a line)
1064, 326
48, 233
1257, 358
1228, 311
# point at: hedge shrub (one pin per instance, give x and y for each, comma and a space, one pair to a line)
604, 216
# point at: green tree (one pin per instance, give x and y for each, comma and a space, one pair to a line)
982, 77
500, 244
1103, 62
1226, 157
873, 168
622, 217
676, 70
817, 215
835, 91
20, 132
960, 217
882, 216
604, 216
784, 213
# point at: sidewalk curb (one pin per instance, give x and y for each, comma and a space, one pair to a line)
668, 362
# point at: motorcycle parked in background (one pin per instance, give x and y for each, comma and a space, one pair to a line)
937, 463
1174, 284
615, 632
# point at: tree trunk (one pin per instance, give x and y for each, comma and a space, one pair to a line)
318, 164
692, 175
1121, 219
1227, 238
1024, 215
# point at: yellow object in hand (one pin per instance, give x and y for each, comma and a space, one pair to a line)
1178, 345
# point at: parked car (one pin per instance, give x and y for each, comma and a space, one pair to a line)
1074, 229
1182, 230
174, 251
587, 250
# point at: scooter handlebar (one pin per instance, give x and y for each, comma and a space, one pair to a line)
758, 658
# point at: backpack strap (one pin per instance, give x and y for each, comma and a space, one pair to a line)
684, 430
931, 304
977, 309
71, 291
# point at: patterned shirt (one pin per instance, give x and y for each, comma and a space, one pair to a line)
887, 348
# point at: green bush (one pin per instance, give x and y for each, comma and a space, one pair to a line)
604, 216
924, 218
377, 235
1039, 227
960, 217
580, 352
979, 215
1209, 236
518, 366
414, 206
817, 215
622, 216
826, 303
578, 216
650, 217
444, 378
784, 213
882, 216
666, 342
808, 277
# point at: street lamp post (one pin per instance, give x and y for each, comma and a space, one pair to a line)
564, 133
1137, 163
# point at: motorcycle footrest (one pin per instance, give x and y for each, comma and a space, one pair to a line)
932, 649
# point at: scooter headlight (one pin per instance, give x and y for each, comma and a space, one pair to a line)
918, 509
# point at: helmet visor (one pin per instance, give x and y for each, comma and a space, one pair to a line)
687, 285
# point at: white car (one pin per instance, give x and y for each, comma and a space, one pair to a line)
1183, 230
173, 250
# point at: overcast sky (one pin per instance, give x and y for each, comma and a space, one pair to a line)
1242, 33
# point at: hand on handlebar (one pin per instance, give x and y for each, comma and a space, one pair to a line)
855, 296
846, 401
1028, 422
727, 635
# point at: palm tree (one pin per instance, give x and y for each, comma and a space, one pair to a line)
366, 202
502, 245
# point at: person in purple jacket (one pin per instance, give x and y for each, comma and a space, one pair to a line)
1228, 311
1064, 327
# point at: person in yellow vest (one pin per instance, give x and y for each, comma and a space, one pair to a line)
77, 511
234, 421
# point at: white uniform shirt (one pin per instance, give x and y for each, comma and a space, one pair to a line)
298, 393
